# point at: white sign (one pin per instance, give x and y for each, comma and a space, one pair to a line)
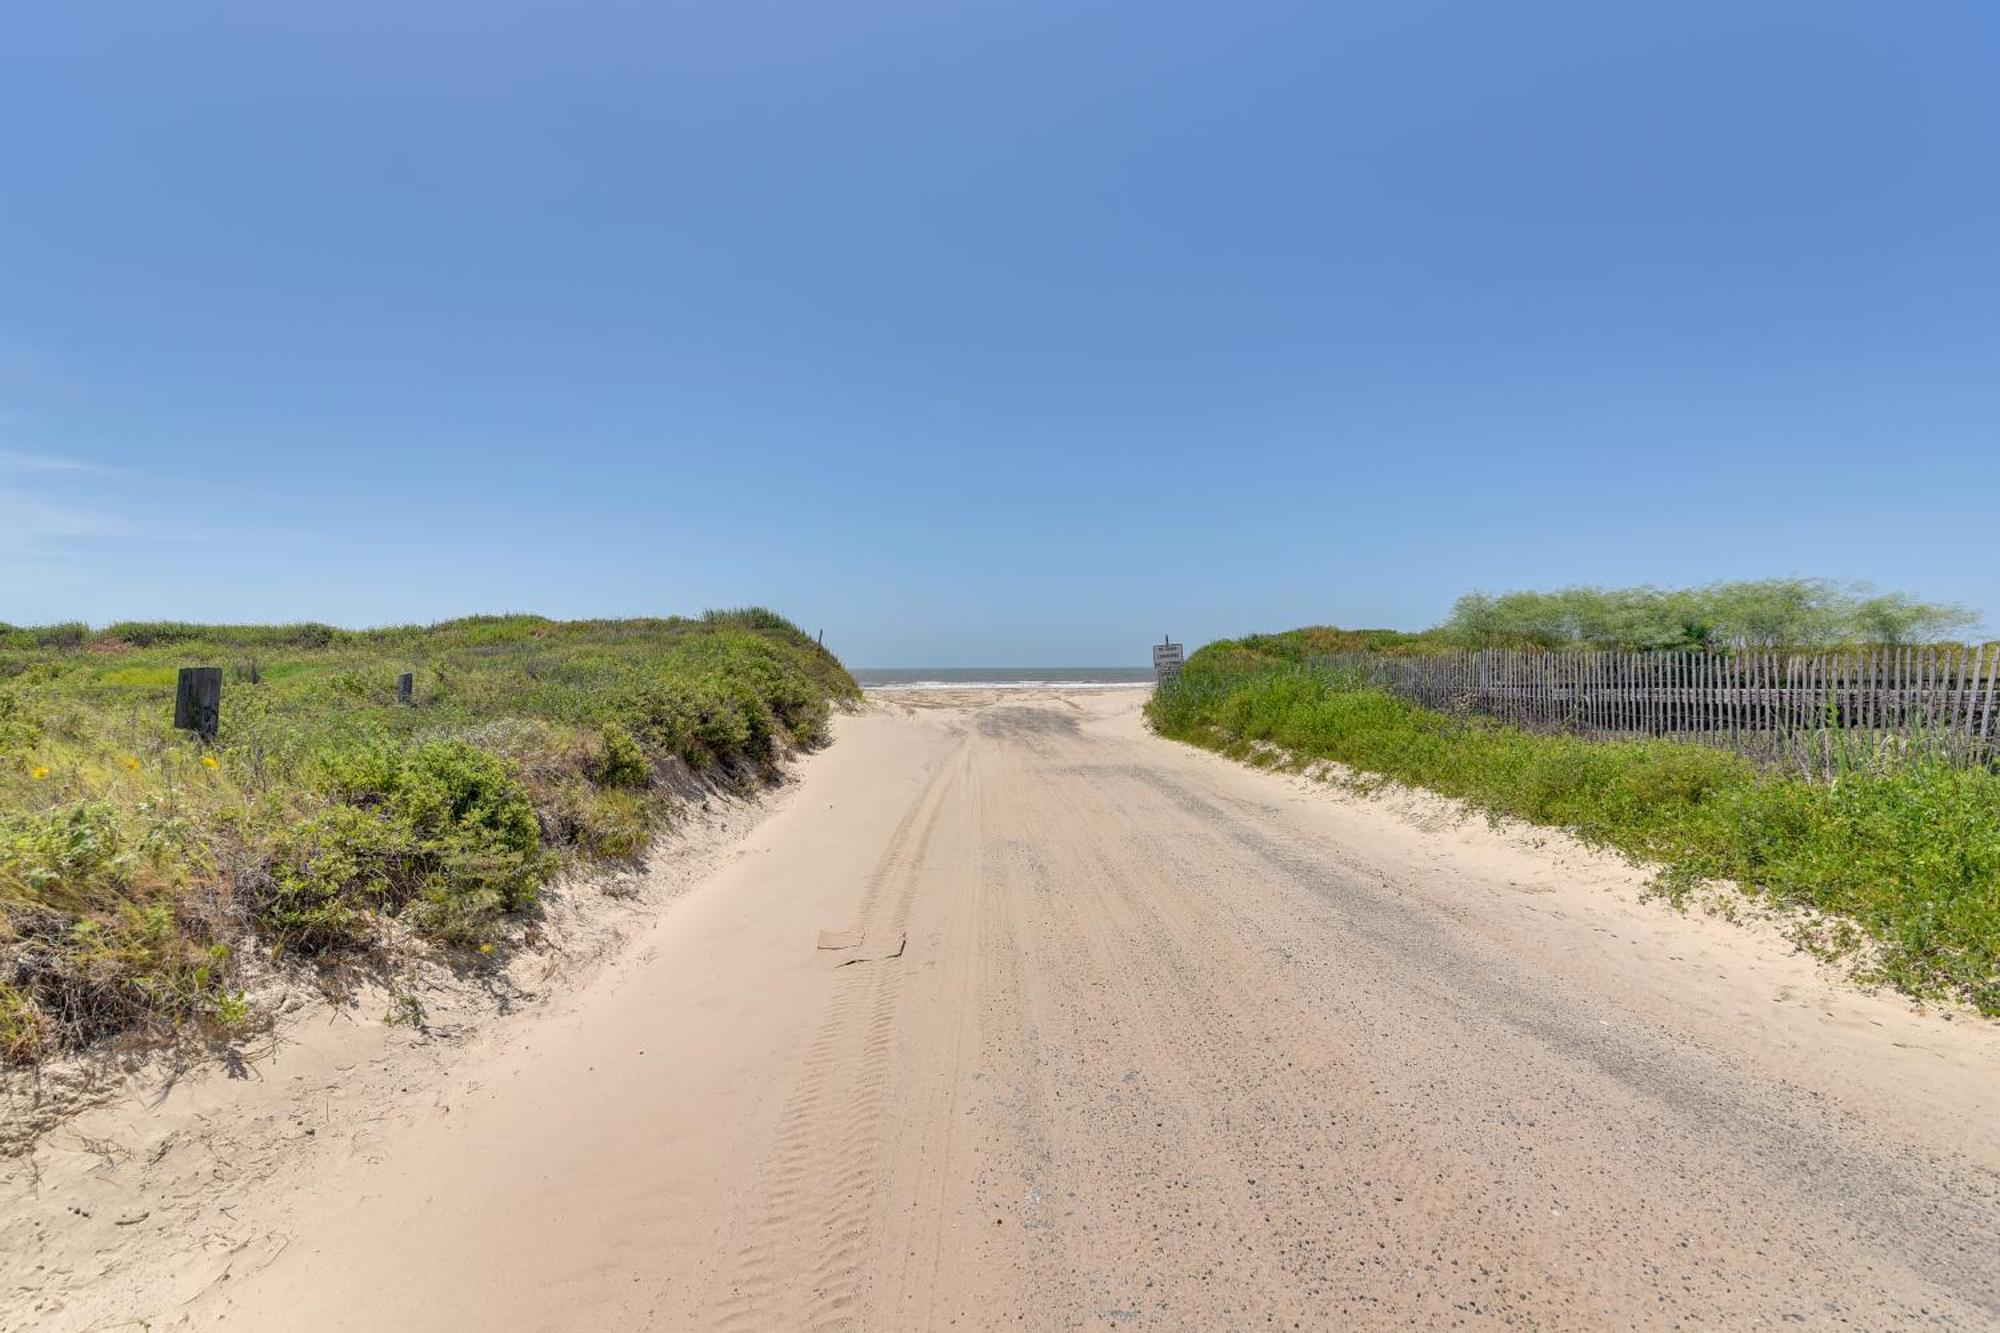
1167, 661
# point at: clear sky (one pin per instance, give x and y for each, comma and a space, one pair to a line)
990, 334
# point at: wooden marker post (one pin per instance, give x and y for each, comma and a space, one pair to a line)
198, 701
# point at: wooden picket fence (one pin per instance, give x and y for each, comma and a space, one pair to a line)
1819, 712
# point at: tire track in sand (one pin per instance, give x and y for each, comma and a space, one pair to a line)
800, 1239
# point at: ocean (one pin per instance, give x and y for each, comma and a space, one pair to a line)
1000, 678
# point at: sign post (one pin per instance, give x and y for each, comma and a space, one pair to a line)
1166, 660
198, 701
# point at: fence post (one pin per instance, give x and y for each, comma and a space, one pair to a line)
198, 701
1960, 714
1670, 701
1987, 709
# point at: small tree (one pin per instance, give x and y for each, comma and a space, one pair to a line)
1898, 618
1745, 613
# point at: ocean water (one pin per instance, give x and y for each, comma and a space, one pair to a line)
1000, 678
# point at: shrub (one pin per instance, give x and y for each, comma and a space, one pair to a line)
759, 723
614, 825
329, 873
442, 827
72, 859
69, 634
699, 722
450, 826
811, 723
148, 633
18, 730
623, 763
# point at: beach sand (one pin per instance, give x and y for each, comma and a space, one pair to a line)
1007, 1013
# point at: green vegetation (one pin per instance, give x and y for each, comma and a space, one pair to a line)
1759, 613
1755, 613
137, 865
1905, 857
1303, 645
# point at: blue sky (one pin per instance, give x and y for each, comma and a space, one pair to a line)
990, 334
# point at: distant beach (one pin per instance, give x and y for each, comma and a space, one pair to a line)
1001, 678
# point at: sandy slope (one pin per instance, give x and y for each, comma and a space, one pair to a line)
1113, 1032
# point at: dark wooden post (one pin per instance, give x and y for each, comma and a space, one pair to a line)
198, 701
405, 685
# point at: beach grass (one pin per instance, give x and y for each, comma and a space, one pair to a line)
138, 863
1901, 858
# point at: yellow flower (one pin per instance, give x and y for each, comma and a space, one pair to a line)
38, 772
131, 761
486, 948
210, 761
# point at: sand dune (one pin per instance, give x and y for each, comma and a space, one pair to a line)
1013, 1015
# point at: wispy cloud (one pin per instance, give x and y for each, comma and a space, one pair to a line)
19, 461
55, 507
32, 526
49, 501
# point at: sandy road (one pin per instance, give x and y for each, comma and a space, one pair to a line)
1120, 1034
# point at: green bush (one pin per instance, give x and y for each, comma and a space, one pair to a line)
442, 823
19, 731
703, 722
329, 874
70, 634
614, 824
623, 763
759, 723
73, 858
667, 717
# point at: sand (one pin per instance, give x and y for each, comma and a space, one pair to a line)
1010, 1014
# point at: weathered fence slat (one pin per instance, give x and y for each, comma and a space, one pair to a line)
1985, 691
1815, 712
1958, 712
